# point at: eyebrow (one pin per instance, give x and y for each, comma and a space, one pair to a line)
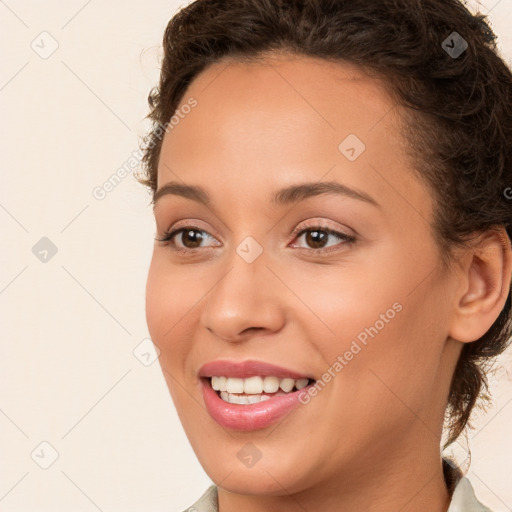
285, 196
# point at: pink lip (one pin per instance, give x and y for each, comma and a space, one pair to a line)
248, 416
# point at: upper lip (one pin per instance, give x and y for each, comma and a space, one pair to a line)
248, 368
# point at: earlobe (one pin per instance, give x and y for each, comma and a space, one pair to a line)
487, 280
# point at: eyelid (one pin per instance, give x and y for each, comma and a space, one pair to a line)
195, 224
320, 223
171, 233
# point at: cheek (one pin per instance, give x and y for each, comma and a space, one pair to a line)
169, 310
391, 367
348, 301
386, 324
169, 315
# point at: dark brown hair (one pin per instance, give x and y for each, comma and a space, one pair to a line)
457, 111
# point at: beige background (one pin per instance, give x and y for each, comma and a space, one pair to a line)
71, 324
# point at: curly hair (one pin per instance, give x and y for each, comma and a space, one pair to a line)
457, 120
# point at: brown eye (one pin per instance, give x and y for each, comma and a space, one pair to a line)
318, 238
186, 239
191, 238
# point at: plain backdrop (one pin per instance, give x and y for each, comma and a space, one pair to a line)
86, 420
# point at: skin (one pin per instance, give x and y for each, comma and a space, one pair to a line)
370, 439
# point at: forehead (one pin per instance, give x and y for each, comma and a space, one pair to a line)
292, 77
295, 89
285, 105
284, 120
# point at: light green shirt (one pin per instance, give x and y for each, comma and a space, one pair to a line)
463, 500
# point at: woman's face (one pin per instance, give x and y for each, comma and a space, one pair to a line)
259, 280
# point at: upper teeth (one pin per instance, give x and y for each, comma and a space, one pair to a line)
256, 385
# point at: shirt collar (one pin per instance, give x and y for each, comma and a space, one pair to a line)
463, 499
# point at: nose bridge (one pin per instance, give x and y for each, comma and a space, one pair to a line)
244, 296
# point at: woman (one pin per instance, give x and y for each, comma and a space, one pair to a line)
332, 265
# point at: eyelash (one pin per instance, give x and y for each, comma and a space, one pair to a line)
169, 235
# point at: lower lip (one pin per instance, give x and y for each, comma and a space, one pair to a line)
248, 416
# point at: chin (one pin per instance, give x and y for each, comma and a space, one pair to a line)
268, 476
264, 482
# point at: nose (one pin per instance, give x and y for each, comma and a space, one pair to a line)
246, 301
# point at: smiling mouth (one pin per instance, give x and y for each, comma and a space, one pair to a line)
255, 389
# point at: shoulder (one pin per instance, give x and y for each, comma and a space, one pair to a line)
464, 499
208, 502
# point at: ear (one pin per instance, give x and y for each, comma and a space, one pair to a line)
485, 285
